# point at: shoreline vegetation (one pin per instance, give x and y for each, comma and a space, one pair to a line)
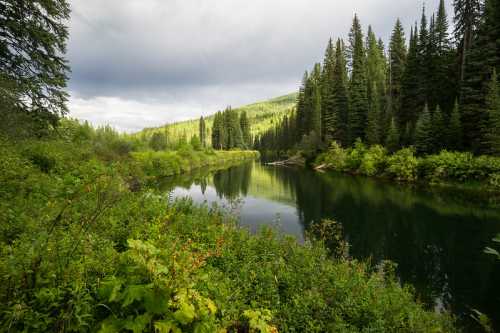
445, 169
89, 245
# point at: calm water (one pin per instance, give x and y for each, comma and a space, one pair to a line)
435, 236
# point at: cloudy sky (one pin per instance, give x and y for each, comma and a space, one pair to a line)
143, 63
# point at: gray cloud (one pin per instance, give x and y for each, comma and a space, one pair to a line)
175, 59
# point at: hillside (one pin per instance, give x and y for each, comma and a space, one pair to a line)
262, 116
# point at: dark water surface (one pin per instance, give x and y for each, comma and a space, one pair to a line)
436, 236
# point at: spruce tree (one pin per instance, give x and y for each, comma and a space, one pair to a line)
491, 128
327, 95
397, 68
438, 130
340, 96
245, 130
392, 141
301, 108
33, 70
358, 110
202, 132
424, 62
424, 142
313, 101
467, 13
218, 132
375, 63
444, 77
454, 132
483, 56
410, 84
372, 128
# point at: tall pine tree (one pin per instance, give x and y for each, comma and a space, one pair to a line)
358, 110
397, 60
327, 95
491, 127
340, 96
424, 142
245, 130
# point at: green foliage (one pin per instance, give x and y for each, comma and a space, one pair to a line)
358, 97
424, 141
397, 59
33, 70
83, 249
158, 142
374, 160
393, 137
403, 165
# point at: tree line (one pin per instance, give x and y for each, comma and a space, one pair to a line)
231, 130
437, 91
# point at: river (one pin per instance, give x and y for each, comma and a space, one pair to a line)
436, 236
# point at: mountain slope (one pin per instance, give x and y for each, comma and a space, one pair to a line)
262, 116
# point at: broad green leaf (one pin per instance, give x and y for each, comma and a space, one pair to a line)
110, 289
166, 326
134, 293
110, 325
185, 314
156, 302
137, 324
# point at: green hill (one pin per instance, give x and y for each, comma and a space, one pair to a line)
262, 116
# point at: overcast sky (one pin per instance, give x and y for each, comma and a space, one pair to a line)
143, 63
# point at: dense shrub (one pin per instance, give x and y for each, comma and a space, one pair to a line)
373, 161
454, 167
403, 165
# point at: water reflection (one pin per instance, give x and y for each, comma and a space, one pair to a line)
436, 238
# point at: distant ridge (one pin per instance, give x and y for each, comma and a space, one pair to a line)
262, 116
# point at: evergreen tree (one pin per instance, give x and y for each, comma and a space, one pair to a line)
492, 126
424, 62
301, 108
312, 95
373, 123
444, 74
327, 95
375, 64
438, 130
245, 129
218, 133
424, 142
358, 110
158, 141
484, 54
410, 84
33, 70
202, 132
454, 133
392, 141
397, 68
340, 96
232, 129
467, 13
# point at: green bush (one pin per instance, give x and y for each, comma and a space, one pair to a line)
355, 156
403, 165
373, 161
